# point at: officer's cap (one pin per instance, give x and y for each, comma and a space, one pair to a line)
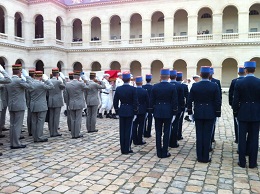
126, 75
195, 76
250, 64
55, 70
241, 70
71, 73
179, 74
17, 67
138, 79
77, 73
211, 70
106, 75
31, 70
148, 76
38, 73
92, 74
165, 71
205, 69
173, 72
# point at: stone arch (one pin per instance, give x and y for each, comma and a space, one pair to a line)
18, 26
229, 71
181, 65
39, 66
156, 66
136, 68
77, 66
157, 24
203, 62
3, 62
95, 29
39, 26
96, 66
115, 65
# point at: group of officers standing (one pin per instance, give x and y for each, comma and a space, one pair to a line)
136, 105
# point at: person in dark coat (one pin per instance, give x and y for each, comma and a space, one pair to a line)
181, 109
164, 101
205, 100
149, 119
143, 104
216, 81
128, 109
246, 108
241, 74
186, 94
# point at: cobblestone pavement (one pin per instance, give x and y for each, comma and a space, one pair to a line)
94, 164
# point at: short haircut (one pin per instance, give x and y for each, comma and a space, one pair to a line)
164, 77
92, 77
250, 69
55, 73
205, 75
172, 76
76, 76
178, 78
16, 71
126, 80
148, 80
71, 77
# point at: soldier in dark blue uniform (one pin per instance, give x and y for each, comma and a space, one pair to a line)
204, 97
241, 74
148, 121
143, 104
186, 94
181, 108
128, 109
216, 81
246, 107
164, 101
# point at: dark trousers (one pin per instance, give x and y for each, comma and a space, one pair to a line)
250, 131
162, 125
125, 133
174, 131
213, 130
138, 129
148, 125
29, 121
203, 138
179, 133
236, 130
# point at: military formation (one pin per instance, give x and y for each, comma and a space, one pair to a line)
136, 105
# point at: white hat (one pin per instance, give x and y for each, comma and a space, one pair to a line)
195, 76
106, 74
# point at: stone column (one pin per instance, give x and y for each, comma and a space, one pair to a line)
192, 28
28, 32
68, 35
9, 27
217, 27
49, 29
125, 32
243, 25
168, 29
191, 70
146, 31
105, 33
86, 33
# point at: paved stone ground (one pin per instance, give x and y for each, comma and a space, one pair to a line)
94, 164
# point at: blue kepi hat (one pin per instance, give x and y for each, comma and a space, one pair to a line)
241, 70
165, 71
138, 79
205, 69
126, 75
173, 72
250, 64
179, 74
148, 76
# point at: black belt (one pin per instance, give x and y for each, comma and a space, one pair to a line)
105, 92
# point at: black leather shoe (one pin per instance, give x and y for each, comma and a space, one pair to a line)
93, 131
210, 149
175, 146
147, 136
18, 147
180, 138
142, 143
21, 137
167, 155
5, 129
130, 151
1, 154
236, 141
242, 166
1, 144
42, 140
252, 166
30, 134
2, 136
213, 140
80, 136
